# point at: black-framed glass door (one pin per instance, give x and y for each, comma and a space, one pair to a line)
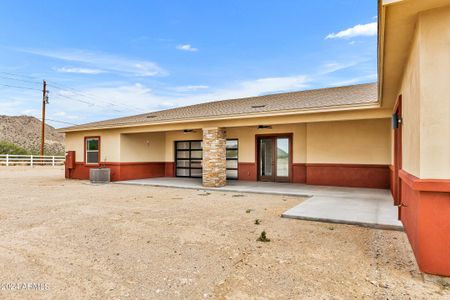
232, 159
188, 159
274, 158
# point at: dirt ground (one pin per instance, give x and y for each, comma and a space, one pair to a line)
118, 241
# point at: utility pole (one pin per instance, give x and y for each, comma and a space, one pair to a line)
44, 102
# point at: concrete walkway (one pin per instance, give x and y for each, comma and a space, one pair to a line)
357, 206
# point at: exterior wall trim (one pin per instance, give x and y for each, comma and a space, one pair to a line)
348, 175
425, 185
121, 171
425, 214
365, 176
247, 171
129, 163
346, 165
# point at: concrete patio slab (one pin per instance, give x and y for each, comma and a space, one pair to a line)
356, 206
355, 210
232, 186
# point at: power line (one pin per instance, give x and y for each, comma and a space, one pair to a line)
19, 75
67, 97
62, 87
63, 122
10, 76
96, 98
74, 91
57, 121
17, 79
20, 87
85, 102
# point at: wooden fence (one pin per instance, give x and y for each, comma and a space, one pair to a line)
31, 160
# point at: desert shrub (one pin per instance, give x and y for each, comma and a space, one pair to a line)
10, 148
263, 237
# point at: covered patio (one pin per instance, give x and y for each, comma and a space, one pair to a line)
356, 206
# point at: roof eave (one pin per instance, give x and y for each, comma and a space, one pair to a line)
372, 105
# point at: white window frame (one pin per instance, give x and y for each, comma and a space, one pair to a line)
90, 151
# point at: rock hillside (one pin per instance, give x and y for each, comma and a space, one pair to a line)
25, 131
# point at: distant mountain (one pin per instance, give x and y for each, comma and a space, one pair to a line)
25, 131
282, 154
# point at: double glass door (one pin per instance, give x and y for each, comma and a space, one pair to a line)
274, 158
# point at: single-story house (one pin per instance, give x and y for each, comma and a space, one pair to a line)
391, 134
334, 136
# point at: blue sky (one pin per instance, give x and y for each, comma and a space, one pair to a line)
106, 59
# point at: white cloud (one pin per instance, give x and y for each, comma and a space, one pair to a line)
369, 29
268, 85
274, 84
356, 80
15, 103
79, 70
137, 98
167, 104
103, 61
332, 67
30, 112
249, 88
59, 113
124, 99
187, 47
65, 115
191, 88
101, 102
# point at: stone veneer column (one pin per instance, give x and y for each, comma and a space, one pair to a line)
214, 161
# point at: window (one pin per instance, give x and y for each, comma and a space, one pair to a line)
232, 159
92, 150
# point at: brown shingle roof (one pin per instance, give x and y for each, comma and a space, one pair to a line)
353, 95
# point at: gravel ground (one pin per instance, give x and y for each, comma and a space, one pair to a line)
119, 241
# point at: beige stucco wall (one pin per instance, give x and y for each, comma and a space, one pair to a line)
172, 136
357, 141
435, 90
142, 147
246, 137
410, 92
360, 141
351, 142
109, 147
244, 129
425, 94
